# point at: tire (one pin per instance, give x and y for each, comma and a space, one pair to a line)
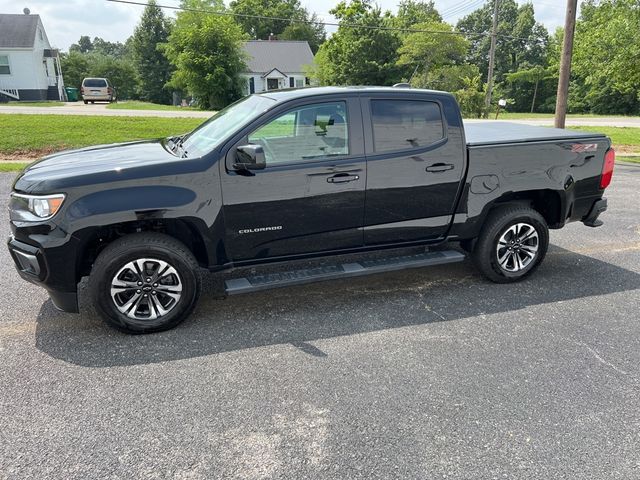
512, 244
156, 305
86, 102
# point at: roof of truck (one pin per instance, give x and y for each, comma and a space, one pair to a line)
292, 93
489, 132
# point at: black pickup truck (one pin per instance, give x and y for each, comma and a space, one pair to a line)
295, 174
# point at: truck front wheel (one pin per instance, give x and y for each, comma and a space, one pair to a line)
145, 282
512, 244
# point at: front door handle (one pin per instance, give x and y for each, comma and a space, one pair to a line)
343, 178
440, 167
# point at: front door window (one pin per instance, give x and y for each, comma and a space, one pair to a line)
272, 84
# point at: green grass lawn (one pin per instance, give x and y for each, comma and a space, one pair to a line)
137, 105
626, 139
35, 135
33, 104
12, 166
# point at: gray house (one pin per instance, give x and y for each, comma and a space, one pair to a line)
275, 64
29, 67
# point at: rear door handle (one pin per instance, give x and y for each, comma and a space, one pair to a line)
343, 178
440, 167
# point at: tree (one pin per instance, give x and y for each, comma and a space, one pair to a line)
75, 67
84, 45
411, 12
359, 55
532, 76
206, 51
115, 49
605, 61
153, 67
260, 28
424, 51
522, 44
312, 32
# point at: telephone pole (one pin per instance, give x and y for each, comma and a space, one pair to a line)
492, 59
565, 63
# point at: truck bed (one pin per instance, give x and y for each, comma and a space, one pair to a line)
494, 133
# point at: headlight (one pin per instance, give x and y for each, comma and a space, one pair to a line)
42, 206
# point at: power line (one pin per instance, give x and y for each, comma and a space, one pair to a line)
462, 9
312, 22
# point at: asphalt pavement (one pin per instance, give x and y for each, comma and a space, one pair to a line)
427, 373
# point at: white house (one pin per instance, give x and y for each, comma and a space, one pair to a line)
275, 64
29, 67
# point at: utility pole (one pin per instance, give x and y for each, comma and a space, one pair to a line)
565, 63
492, 59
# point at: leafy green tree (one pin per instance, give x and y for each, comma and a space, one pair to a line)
152, 66
75, 67
104, 47
206, 51
471, 96
359, 55
411, 12
120, 72
260, 28
314, 33
522, 44
84, 45
606, 65
424, 51
530, 76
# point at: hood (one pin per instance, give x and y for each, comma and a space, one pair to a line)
104, 163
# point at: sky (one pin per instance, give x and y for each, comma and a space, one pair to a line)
66, 20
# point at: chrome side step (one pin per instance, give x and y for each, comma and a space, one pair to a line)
365, 267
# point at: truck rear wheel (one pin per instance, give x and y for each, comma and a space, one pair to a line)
145, 282
512, 244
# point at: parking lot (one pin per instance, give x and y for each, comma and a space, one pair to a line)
426, 373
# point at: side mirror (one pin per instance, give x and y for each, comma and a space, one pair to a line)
250, 157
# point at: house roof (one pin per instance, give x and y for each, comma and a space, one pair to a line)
285, 55
18, 31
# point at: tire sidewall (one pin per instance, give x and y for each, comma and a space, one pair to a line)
105, 273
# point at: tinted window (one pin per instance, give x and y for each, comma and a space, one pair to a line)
405, 124
94, 83
305, 133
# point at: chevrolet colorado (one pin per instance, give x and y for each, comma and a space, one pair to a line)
294, 174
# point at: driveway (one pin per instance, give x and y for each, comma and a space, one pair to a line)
100, 109
428, 373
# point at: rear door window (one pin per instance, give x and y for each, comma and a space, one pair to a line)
405, 124
95, 83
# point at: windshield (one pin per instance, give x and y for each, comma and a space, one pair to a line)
223, 124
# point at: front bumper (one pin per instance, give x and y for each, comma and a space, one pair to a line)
33, 265
591, 220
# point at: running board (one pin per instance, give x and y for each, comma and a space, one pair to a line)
365, 267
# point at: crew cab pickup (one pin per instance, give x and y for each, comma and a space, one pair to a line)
294, 174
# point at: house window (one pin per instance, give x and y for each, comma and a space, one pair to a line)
299, 83
4, 65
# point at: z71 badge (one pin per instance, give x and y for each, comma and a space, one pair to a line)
584, 147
